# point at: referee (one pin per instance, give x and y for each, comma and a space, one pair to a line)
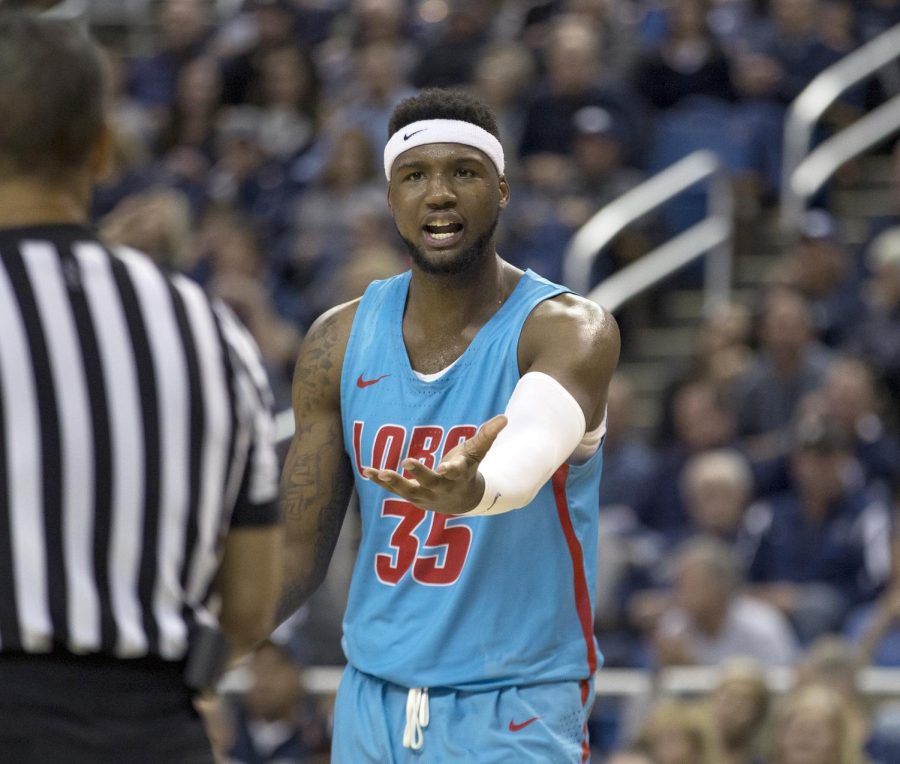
137, 468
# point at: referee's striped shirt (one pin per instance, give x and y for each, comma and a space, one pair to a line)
135, 427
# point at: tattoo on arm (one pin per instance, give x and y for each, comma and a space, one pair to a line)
317, 479
329, 518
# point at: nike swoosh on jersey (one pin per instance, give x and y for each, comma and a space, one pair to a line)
360, 382
513, 727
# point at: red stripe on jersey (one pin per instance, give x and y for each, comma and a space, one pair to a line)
585, 745
582, 597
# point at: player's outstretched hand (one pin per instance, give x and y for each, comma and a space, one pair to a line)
455, 486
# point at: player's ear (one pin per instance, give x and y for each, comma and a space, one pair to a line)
390, 206
101, 157
504, 192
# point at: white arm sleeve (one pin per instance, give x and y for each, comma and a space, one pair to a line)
545, 424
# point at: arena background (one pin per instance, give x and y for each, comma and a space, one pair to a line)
723, 177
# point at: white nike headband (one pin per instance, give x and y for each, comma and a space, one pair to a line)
442, 131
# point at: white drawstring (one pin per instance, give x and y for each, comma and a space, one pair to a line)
416, 718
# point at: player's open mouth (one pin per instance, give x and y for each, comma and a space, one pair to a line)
442, 232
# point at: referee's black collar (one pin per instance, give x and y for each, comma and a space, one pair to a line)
52, 231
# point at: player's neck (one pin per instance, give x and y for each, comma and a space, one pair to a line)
34, 201
455, 301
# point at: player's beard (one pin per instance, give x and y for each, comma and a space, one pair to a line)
461, 263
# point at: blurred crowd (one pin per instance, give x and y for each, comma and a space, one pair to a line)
755, 528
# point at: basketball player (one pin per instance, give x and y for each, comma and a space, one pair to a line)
468, 629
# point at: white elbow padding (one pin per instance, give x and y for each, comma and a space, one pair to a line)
545, 424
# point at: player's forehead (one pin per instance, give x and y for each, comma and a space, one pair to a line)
440, 153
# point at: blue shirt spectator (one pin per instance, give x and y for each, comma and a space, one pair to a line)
825, 548
183, 26
791, 363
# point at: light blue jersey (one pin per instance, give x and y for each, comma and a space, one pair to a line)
468, 603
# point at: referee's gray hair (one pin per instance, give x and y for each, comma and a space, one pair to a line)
52, 95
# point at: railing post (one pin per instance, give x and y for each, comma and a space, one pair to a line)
717, 275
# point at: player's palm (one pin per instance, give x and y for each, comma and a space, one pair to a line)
455, 486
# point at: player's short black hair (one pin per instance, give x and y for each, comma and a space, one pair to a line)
438, 103
52, 95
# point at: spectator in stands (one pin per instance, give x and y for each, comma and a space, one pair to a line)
628, 756
819, 267
156, 222
677, 732
688, 63
244, 176
837, 25
702, 420
274, 26
717, 487
812, 727
183, 28
723, 348
534, 231
615, 24
775, 59
627, 460
833, 662
877, 338
711, 619
721, 356
378, 84
448, 59
186, 143
824, 549
503, 75
600, 143
628, 464
850, 398
238, 275
791, 362
372, 254
787, 44
366, 22
289, 100
572, 59
129, 172
875, 627
324, 214
275, 721
739, 707
128, 116
578, 186
599, 151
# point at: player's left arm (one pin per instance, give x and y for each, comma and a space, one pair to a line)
568, 350
575, 342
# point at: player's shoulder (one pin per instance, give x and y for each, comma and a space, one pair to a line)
569, 315
334, 325
320, 363
569, 330
326, 340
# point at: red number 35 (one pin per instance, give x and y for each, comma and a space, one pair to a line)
454, 539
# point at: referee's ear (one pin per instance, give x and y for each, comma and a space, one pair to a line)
101, 158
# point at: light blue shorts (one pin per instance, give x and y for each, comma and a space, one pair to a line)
541, 723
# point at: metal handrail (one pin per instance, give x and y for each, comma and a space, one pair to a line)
874, 682
806, 110
822, 162
712, 236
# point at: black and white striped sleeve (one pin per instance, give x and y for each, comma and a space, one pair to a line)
253, 487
